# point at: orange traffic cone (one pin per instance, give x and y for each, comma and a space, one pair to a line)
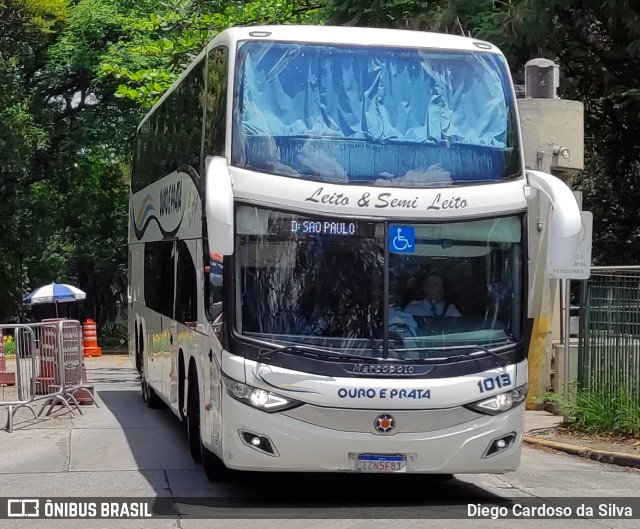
90, 335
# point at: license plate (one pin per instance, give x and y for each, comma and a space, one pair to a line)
380, 463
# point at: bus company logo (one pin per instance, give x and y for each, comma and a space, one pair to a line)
171, 199
145, 216
383, 369
384, 423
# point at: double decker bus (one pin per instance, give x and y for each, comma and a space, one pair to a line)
334, 242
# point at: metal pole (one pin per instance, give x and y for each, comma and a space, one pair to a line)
20, 304
567, 336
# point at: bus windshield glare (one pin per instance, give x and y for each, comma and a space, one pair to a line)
374, 115
320, 282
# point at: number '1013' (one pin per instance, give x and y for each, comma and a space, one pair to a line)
499, 381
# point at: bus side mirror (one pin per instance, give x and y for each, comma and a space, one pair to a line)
564, 219
219, 205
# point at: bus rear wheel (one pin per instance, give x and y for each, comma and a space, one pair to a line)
149, 396
193, 418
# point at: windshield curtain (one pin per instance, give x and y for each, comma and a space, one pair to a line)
320, 282
391, 116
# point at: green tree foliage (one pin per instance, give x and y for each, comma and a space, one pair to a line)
66, 147
75, 79
21, 136
157, 44
600, 54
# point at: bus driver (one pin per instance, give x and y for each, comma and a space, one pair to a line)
432, 303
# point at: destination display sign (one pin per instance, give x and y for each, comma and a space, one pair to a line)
320, 227
324, 227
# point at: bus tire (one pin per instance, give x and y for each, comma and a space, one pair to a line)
193, 417
214, 468
149, 395
139, 337
137, 350
181, 381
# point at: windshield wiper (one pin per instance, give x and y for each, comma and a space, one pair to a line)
470, 349
265, 353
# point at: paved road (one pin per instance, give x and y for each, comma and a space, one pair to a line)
123, 449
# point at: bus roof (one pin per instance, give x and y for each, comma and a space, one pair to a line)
356, 36
334, 35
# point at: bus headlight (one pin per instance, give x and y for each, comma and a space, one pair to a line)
501, 402
260, 399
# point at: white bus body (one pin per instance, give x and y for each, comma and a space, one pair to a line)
290, 195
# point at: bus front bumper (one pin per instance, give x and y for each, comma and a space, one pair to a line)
291, 445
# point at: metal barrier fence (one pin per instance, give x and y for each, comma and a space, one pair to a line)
609, 338
47, 368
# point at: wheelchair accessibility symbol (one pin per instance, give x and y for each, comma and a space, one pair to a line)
403, 239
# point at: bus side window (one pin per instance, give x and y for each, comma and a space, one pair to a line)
216, 102
158, 277
186, 291
215, 286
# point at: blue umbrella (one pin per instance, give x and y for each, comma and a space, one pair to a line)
55, 293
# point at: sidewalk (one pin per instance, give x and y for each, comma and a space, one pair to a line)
544, 430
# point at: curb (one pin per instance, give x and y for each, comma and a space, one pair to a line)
603, 456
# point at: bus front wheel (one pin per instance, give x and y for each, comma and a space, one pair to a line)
214, 469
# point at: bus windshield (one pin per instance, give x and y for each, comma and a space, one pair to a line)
331, 284
384, 116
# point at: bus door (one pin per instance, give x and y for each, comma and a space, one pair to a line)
159, 293
187, 333
213, 384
